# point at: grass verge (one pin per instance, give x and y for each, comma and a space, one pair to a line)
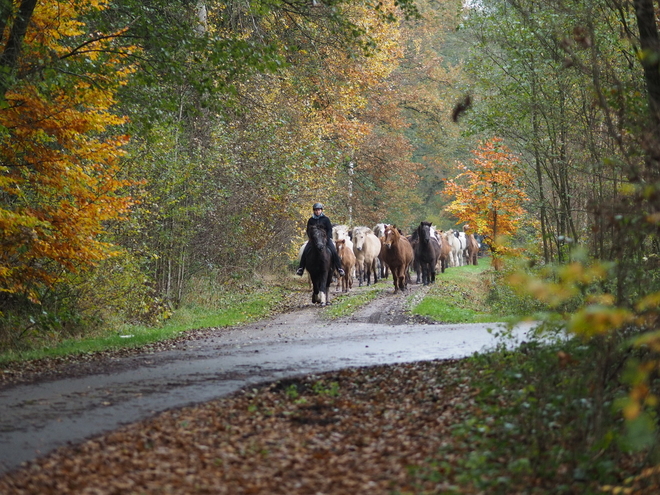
460, 295
230, 308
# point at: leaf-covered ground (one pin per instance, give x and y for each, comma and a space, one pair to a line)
368, 430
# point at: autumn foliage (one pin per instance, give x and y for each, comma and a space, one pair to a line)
59, 178
488, 195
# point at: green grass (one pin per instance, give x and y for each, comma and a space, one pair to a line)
460, 296
347, 304
231, 308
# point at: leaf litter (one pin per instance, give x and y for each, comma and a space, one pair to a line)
359, 430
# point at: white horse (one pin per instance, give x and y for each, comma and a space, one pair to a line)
456, 256
379, 231
340, 232
464, 243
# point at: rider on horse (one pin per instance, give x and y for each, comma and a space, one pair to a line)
318, 218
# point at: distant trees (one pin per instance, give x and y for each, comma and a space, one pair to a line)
149, 144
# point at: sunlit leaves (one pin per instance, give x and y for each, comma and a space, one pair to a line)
60, 180
488, 195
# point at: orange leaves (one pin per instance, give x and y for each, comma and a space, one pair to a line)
61, 179
488, 195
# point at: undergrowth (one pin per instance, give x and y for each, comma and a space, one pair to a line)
229, 306
460, 295
545, 423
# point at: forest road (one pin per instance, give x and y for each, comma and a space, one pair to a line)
55, 411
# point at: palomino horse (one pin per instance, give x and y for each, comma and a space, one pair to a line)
427, 252
397, 253
366, 247
445, 251
319, 264
348, 262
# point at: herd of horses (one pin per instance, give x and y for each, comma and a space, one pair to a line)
374, 252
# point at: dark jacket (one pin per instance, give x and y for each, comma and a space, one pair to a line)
325, 223
322, 221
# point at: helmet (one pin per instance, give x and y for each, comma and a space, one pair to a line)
317, 206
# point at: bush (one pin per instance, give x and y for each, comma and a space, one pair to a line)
546, 419
114, 292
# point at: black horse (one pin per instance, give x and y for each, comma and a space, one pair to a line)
319, 264
427, 252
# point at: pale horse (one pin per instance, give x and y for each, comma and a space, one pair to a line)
366, 247
456, 257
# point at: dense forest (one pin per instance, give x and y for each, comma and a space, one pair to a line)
148, 146
153, 148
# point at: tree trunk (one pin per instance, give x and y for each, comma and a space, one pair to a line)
12, 49
650, 45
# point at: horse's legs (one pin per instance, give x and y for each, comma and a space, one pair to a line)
315, 291
399, 277
323, 284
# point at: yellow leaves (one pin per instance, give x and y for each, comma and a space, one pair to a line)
649, 302
653, 218
580, 273
556, 286
597, 319
649, 339
62, 157
552, 293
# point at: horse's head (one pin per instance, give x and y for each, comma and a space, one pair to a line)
358, 238
318, 236
340, 244
424, 230
391, 235
339, 232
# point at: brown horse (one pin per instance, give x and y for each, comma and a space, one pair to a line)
472, 249
348, 262
398, 255
445, 251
